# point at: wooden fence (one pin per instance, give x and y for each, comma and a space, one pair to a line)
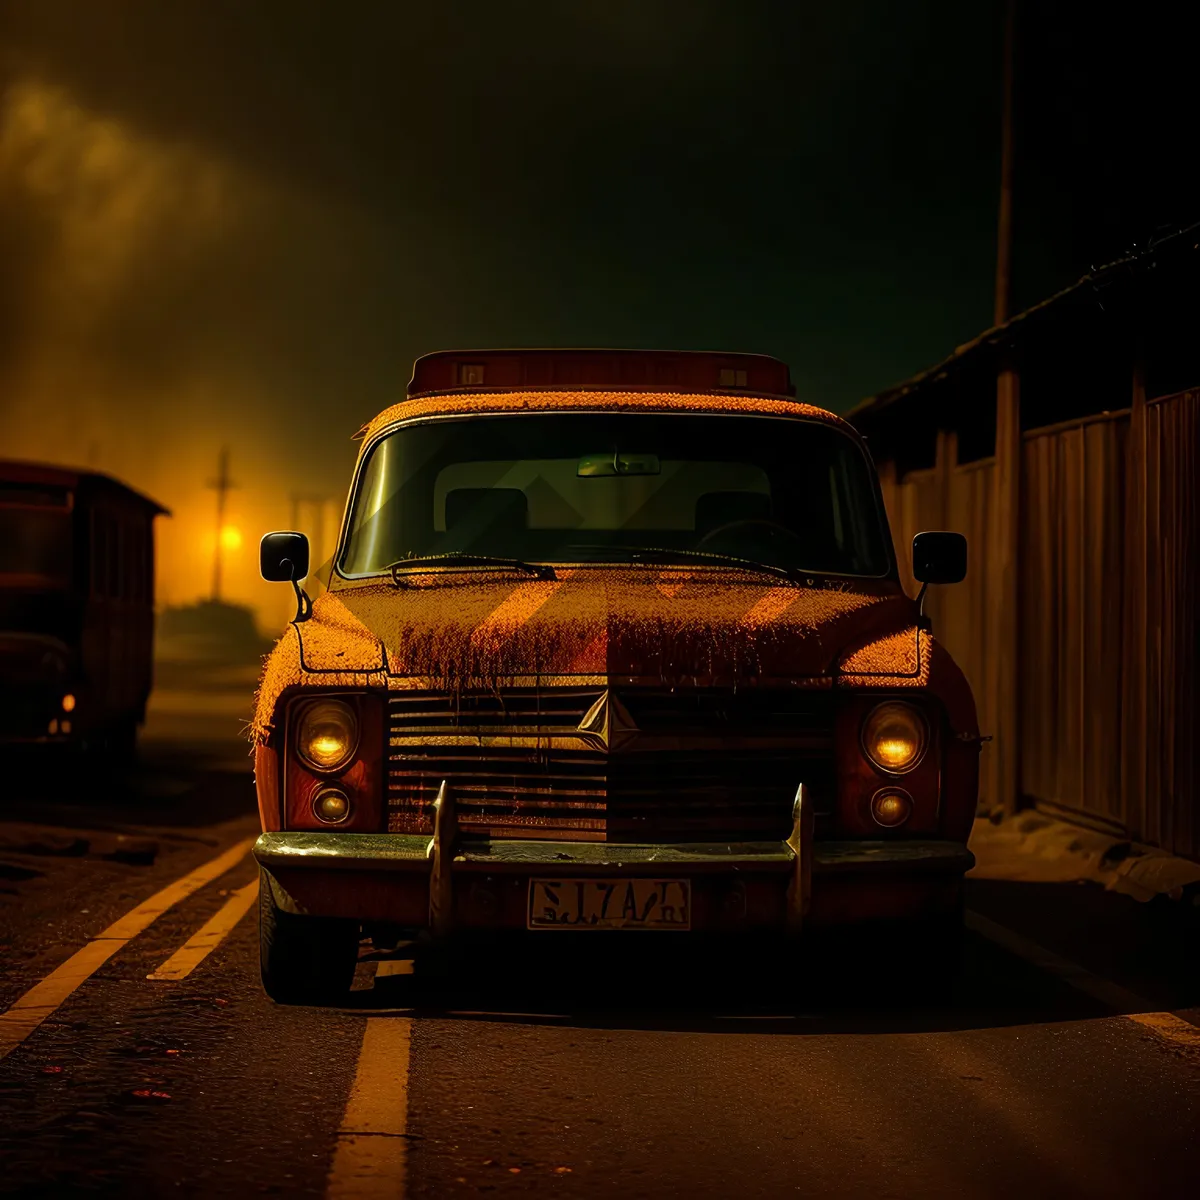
1108, 612
1160, 729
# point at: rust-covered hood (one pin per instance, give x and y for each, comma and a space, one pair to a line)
672, 626
679, 627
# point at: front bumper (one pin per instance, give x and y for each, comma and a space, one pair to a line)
446, 883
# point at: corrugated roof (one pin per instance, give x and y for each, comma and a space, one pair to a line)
1010, 329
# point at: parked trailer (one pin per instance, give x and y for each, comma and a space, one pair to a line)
76, 607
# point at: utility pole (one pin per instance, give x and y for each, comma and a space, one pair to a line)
316, 505
1004, 239
223, 485
1002, 770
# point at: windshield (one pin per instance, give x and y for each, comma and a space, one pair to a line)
35, 541
610, 487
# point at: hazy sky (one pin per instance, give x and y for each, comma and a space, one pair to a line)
241, 221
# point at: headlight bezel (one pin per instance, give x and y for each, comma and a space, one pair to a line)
921, 727
304, 713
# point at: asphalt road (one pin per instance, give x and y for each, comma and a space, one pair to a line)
548, 1072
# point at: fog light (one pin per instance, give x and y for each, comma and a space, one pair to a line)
54, 725
331, 806
68, 703
65, 726
891, 807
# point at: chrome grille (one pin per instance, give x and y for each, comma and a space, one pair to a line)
508, 708
702, 765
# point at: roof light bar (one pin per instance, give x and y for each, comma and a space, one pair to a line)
602, 370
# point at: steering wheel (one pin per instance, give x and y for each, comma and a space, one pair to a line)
775, 532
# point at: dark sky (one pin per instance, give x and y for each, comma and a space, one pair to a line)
244, 219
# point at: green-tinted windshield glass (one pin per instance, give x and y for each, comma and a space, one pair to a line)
599, 487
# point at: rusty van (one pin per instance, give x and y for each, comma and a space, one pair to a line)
613, 641
76, 610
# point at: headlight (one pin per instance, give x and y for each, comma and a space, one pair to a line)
894, 737
327, 734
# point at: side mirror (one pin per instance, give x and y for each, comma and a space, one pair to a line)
283, 557
939, 557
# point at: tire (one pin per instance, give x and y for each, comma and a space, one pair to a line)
121, 745
112, 751
930, 953
302, 959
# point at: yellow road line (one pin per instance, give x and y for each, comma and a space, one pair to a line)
209, 936
371, 1157
1121, 1000
18, 1022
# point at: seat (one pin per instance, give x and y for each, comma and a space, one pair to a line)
715, 509
486, 519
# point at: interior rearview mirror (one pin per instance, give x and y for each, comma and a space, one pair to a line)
613, 462
283, 556
939, 557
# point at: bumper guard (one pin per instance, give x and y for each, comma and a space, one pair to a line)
447, 855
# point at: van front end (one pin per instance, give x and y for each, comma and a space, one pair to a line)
613, 642
590, 806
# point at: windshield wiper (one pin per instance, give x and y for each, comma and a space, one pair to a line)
458, 558
661, 554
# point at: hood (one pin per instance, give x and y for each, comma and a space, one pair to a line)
672, 626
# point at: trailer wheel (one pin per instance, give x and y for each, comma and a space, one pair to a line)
303, 959
120, 744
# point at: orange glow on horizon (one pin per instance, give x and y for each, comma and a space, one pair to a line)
113, 199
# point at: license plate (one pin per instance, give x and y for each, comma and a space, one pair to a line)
610, 904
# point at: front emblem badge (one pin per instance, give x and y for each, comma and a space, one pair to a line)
608, 723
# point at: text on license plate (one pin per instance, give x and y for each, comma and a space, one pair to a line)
610, 904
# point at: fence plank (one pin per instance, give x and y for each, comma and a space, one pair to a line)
1107, 607
1072, 503
1163, 737
1003, 549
